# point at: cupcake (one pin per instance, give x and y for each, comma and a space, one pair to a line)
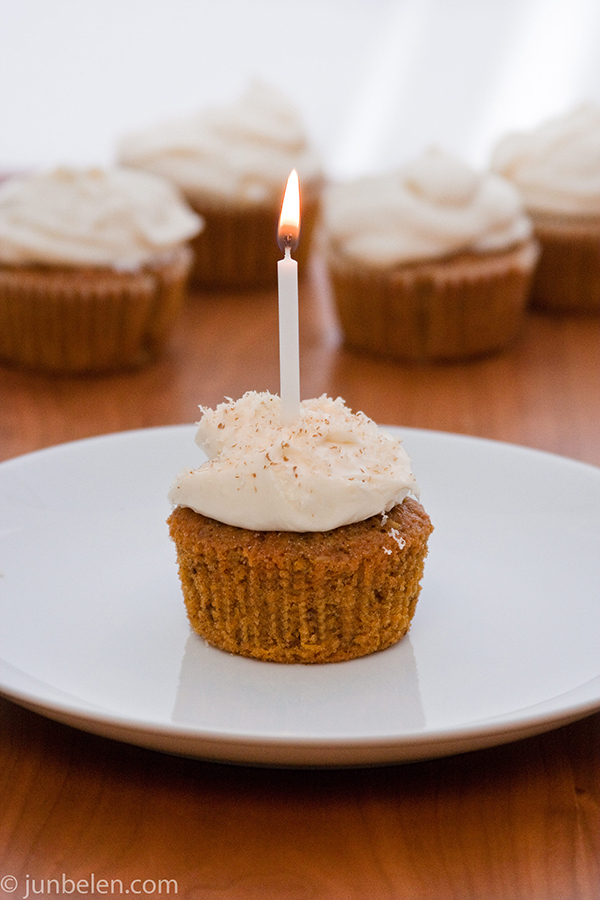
556, 168
93, 268
300, 543
231, 164
430, 262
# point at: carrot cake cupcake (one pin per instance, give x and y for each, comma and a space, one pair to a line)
300, 543
430, 262
556, 168
231, 163
93, 268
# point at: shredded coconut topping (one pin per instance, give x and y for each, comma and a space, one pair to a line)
330, 467
396, 536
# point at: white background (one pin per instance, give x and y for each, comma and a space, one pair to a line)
376, 80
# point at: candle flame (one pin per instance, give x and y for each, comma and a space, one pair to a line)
288, 232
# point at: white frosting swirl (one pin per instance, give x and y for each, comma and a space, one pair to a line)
556, 167
434, 207
330, 467
241, 153
116, 218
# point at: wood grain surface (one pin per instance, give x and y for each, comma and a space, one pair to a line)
518, 822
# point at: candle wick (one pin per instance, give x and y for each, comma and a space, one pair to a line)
287, 242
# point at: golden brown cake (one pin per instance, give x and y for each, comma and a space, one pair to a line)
431, 262
231, 164
301, 542
86, 320
462, 307
314, 597
567, 276
238, 248
94, 268
556, 168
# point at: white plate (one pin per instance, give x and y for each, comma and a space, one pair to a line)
505, 642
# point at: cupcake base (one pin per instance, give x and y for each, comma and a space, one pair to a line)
462, 307
315, 597
72, 321
237, 249
567, 278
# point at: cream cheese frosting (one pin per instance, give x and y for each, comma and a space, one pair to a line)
240, 153
116, 217
556, 166
330, 467
435, 206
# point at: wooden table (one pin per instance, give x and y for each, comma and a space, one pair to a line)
518, 821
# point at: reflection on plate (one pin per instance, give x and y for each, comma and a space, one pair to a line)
505, 642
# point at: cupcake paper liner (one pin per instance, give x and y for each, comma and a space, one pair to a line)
567, 278
238, 246
458, 308
311, 598
89, 320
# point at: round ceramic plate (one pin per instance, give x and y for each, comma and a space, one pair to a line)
505, 642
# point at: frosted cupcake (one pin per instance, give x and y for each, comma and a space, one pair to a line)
232, 164
556, 168
430, 262
302, 542
93, 268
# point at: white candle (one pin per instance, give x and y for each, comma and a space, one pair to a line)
287, 280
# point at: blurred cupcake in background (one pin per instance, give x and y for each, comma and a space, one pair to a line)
430, 262
232, 163
93, 268
556, 168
